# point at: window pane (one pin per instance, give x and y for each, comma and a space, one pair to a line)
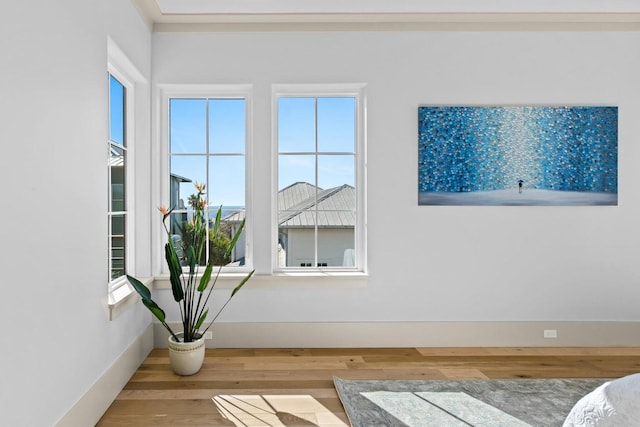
336, 170
185, 171
229, 224
117, 176
227, 125
296, 125
296, 168
188, 125
336, 124
336, 223
296, 225
294, 197
296, 239
226, 181
178, 229
116, 111
336, 245
118, 266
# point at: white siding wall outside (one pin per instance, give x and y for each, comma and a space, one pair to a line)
332, 244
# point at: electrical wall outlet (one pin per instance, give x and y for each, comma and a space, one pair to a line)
208, 335
550, 333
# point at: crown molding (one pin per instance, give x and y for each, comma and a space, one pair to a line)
401, 22
458, 21
394, 6
149, 11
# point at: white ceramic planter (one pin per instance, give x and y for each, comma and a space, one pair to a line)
186, 357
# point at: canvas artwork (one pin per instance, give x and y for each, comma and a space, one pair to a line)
518, 155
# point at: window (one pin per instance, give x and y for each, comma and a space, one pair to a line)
207, 140
320, 178
128, 239
117, 173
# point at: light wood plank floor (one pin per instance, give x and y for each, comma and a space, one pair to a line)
294, 387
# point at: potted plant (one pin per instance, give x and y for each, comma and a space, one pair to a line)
191, 290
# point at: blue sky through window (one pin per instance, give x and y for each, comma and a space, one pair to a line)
220, 123
116, 111
327, 126
225, 121
117, 179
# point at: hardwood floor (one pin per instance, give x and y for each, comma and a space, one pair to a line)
294, 387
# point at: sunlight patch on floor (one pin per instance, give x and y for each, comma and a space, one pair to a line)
275, 410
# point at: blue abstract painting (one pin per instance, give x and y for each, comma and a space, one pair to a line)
517, 155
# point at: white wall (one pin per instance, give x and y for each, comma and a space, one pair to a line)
57, 340
442, 263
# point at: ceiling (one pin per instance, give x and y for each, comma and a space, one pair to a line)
260, 15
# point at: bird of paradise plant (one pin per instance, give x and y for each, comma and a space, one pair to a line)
191, 290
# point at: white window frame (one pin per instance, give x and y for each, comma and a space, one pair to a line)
120, 293
357, 91
230, 91
129, 138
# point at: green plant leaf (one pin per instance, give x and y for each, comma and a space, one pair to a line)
153, 307
201, 319
216, 223
145, 294
241, 284
175, 271
233, 242
206, 276
172, 256
140, 288
192, 259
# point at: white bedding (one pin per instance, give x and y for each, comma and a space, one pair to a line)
614, 404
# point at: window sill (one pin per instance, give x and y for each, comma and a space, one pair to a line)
297, 279
123, 297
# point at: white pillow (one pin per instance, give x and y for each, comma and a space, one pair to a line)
614, 404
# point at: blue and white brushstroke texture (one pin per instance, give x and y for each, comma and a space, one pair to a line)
562, 155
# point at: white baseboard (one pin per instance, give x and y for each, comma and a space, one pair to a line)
415, 334
93, 404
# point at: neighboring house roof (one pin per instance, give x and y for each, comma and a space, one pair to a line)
116, 157
235, 217
298, 207
295, 194
180, 178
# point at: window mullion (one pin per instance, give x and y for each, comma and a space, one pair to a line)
317, 183
208, 178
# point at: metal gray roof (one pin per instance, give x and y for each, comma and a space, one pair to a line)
333, 208
295, 194
297, 207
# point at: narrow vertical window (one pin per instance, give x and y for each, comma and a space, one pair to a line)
117, 159
207, 144
317, 199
